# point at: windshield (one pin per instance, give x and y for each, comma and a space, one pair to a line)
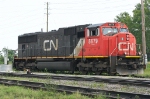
109, 30
123, 30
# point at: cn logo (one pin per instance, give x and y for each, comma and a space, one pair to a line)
51, 43
129, 46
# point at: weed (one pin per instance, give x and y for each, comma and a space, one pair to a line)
146, 72
15, 92
101, 85
49, 86
100, 96
136, 97
118, 96
45, 70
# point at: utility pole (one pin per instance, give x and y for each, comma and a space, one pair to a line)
47, 15
143, 33
5, 50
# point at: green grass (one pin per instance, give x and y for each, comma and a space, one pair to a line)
10, 62
146, 71
15, 92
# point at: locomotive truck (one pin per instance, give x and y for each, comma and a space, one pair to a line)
106, 47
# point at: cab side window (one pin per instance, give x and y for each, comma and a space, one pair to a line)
93, 32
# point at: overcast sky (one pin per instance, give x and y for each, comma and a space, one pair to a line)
24, 16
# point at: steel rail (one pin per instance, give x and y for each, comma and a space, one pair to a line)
72, 89
145, 83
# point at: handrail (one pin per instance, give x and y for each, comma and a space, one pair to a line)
112, 52
114, 48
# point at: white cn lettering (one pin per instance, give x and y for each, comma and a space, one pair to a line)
93, 41
51, 44
129, 46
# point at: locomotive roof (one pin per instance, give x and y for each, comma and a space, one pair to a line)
86, 25
95, 25
25, 34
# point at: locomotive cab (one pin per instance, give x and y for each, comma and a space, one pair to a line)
116, 46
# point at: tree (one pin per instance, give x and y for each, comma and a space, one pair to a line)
134, 22
125, 18
138, 25
1, 58
11, 53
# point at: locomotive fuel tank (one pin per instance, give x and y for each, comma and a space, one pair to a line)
54, 66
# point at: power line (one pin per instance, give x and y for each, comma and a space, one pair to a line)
91, 9
20, 6
92, 12
89, 5
87, 2
66, 3
29, 12
19, 23
24, 19
2, 37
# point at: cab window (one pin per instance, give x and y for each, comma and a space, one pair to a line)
123, 30
93, 32
107, 30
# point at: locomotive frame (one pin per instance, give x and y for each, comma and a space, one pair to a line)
85, 48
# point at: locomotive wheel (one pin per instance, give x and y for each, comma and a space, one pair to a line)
84, 72
98, 72
72, 72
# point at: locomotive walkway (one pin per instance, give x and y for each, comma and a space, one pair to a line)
71, 89
122, 81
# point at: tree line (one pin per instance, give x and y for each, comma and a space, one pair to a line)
11, 54
134, 23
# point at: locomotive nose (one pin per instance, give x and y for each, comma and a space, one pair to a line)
126, 44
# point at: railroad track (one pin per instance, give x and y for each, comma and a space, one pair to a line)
71, 89
137, 82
